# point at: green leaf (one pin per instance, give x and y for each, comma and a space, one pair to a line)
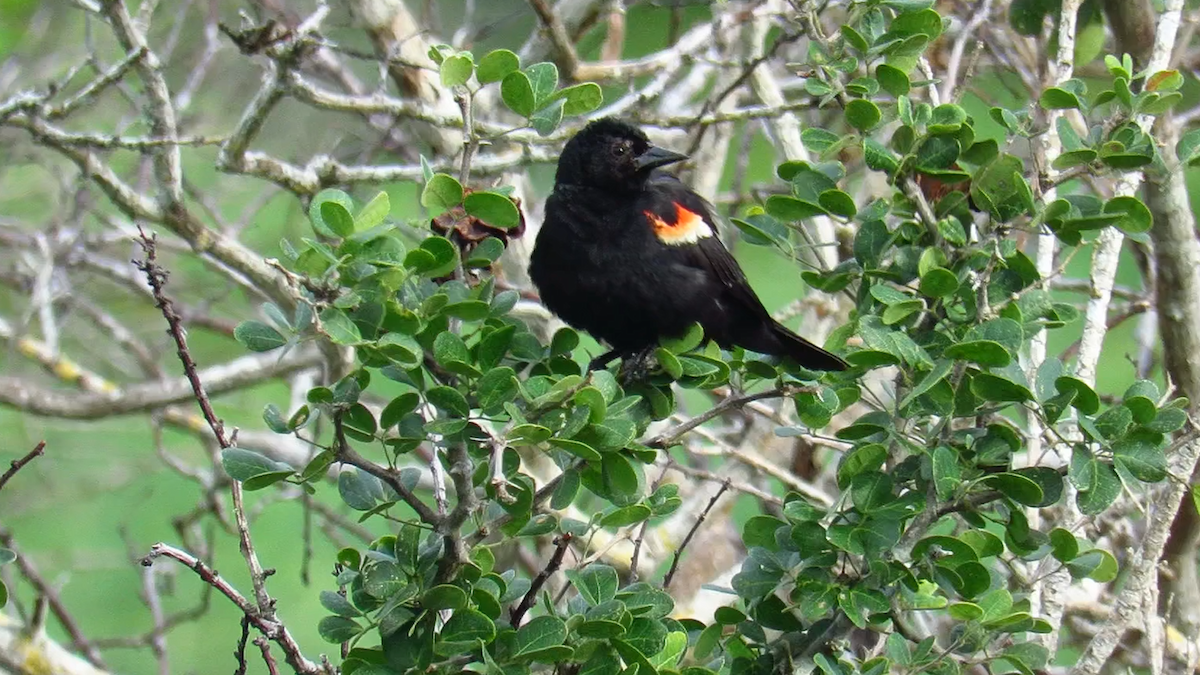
838, 203
543, 80
1141, 454
434, 257
937, 153
946, 472
402, 350
1101, 491
1016, 487
449, 400
338, 629
1057, 98
497, 387
468, 310
528, 434
537, 636
577, 449
493, 208
495, 65
893, 80
463, 632
547, 119
374, 213
1188, 148
878, 157
581, 98
337, 217
1086, 400
619, 476
1164, 80
358, 489
242, 464
818, 140
338, 326
788, 208
947, 118
862, 114
596, 583
860, 460
1136, 216
400, 406
456, 70
444, 596
441, 193
672, 651
338, 604
984, 352
258, 336
626, 515
1140, 398
938, 282
449, 348
1001, 190
315, 214
991, 387
517, 92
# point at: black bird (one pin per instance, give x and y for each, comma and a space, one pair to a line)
630, 254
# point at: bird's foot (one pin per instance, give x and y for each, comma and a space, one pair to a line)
636, 367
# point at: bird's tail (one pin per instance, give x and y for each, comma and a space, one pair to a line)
802, 351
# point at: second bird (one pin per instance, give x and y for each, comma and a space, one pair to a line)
630, 254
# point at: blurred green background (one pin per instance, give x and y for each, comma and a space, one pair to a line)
99, 482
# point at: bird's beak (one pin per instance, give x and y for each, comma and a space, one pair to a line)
656, 157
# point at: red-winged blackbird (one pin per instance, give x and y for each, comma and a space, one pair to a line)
629, 254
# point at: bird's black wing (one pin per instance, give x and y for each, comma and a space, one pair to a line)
706, 252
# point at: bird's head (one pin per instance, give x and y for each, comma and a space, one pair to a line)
612, 155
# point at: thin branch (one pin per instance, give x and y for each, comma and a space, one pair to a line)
268, 626
265, 647
561, 543
641, 535
671, 437
265, 611
57, 608
347, 455
18, 464
567, 58
691, 533
239, 652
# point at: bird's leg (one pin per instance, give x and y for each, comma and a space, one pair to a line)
636, 366
601, 362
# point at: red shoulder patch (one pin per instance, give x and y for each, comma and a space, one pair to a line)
688, 227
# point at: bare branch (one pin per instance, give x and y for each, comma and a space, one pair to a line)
18, 464
691, 533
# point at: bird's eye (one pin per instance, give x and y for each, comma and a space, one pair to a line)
620, 149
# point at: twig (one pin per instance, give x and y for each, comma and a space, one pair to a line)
57, 608
269, 626
745, 488
265, 611
18, 464
714, 102
669, 438
348, 455
691, 533
561, 542
265, 646
466, 103
641, 536
568, 59
240, 652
